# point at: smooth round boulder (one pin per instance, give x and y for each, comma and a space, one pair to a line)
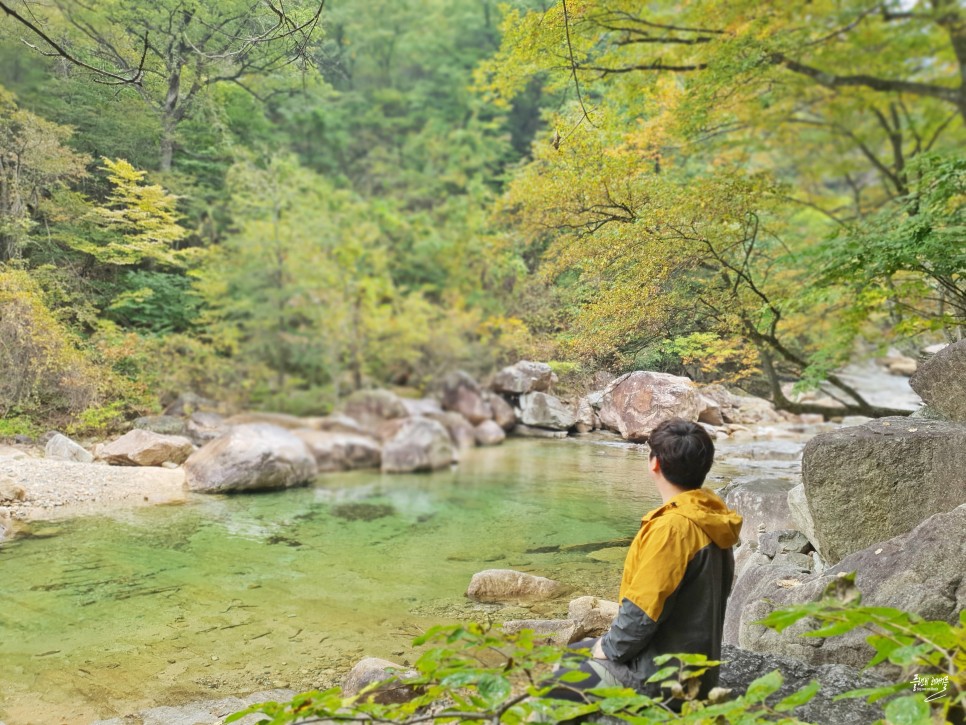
420, 444
509, 585
281, 420
489, 433
250, 458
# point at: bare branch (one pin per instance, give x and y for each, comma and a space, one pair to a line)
135, 75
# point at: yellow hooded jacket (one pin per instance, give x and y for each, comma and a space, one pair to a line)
677, 578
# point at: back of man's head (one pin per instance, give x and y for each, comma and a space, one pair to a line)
684, 450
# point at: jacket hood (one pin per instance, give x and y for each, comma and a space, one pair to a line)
708, 512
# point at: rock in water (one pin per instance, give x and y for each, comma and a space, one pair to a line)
508, 585
870, 482
941, 381
462, 394
540, 410
62, 448
559, 632
372, 670
523, 377
592, 616
420, 444
636, 402
489, 433
341, 451
250, 458
144, 448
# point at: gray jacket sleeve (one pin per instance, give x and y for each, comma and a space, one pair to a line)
630, 633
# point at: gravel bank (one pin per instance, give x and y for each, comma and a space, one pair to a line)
46, 489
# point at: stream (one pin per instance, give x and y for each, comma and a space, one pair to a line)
107, 615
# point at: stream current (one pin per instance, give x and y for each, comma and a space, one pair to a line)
103, 616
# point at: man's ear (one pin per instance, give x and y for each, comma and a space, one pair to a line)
654, 465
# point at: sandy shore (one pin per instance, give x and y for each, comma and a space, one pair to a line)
33, 488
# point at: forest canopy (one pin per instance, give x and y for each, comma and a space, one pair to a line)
277, 208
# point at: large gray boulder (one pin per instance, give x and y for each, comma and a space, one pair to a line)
463, 395
742, 667
420, 444
635, 403
62, 448
250, 458
508, 585
523, 377
545, 411
763, 505
919, 572
941, 381
871, 482
144, 448
371, 407
529, 431
341, 451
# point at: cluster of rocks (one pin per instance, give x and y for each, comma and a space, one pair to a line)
630, 405
885, 499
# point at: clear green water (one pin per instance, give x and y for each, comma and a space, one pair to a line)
105, 616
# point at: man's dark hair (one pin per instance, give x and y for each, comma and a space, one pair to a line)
684, 450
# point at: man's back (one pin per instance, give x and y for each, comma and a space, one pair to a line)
677, 577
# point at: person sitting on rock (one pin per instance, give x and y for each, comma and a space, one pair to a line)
677, 574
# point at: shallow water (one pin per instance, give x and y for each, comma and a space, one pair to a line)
104, 616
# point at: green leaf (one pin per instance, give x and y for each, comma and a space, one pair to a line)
797, 699
911, 710
574, 676
494, 688
781, 619
765, 685
662, 673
